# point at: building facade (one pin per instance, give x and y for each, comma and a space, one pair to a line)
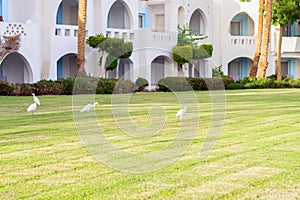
48, 31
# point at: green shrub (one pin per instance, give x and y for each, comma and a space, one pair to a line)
85, 85
95, 41
23, 89
5, 88
174, 84
124, 86
294, 83
217, 71
67, 85
197, 83
106, 86
281, 84
182, 54
234, 86
249, 79
46, 87
227, 79
254, 85
141, 83
203, 51
111, 62
214, 83
266, 83
127, 50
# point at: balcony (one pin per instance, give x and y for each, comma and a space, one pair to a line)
120, 33
66, 31
243, 41
146, 37
155, 2
239, 45
290, 44
11, 29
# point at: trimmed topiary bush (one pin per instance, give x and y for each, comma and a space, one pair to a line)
174, 84
141, 83
124, 86
182, 54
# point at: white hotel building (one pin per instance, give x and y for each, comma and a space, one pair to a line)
49, 37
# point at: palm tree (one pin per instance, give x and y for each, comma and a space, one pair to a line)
257, 53
263, 63
81, 37
284, 12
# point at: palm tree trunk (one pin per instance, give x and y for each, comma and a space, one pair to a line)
263, 63
81, 37
102, 66
257, 53
278, 65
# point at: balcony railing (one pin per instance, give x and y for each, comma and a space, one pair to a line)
120, 33
11, 29
153, 2
67, 31
243, 40
290, 44
145, 37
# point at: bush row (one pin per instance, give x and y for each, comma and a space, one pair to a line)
223, 82
68, 86
88, 85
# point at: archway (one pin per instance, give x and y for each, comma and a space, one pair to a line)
66, 66
160, 68
181, 16
241, 25
198, 22
239, 68
67, 12
200, 69
124, 69
15, 69
118, 16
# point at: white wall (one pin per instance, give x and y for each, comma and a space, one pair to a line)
42, 48
21, 11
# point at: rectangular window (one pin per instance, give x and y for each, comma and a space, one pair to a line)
298, 28
285, 68
160, 22
234, 70
141, 20
235, 27
287, 31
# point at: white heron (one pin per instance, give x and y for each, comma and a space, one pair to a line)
180, 114
32, 108
88, 107
35, 99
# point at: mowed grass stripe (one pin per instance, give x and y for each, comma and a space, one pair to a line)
256, 155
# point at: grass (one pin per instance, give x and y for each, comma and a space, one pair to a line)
256, 156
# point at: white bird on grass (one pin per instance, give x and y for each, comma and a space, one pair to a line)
180, 114
88, 107
35, 99
32, 108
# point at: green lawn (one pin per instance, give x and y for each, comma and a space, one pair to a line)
257, 155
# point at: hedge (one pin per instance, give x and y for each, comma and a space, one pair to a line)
91, 85
68, 86
178, 84
224, 82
